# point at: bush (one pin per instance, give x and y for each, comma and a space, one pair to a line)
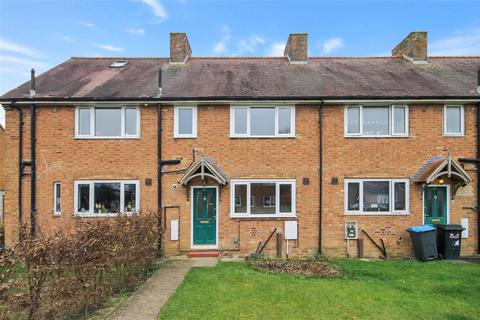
74, 270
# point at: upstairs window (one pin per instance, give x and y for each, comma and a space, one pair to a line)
107, 122
262, 122
185, 122
377, 121
453, 121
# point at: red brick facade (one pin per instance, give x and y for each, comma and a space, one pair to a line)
62, 158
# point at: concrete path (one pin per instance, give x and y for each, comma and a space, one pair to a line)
145, 304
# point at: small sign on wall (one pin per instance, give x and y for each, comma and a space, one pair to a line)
464, 223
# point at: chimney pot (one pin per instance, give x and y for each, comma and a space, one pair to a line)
296, 49
180, 49
413, 47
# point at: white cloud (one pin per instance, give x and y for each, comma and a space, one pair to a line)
220, 47
249, 44
138, 31
277, 49
332, 44
88, 24
235, 46
11, 60
459, 43
18, 48
157, 8
109, 47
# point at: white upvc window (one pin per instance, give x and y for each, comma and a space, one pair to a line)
376, 196
102, 198
262, 121
57, 198
107, 122
259, 198
453, 120
185, 122
376, 121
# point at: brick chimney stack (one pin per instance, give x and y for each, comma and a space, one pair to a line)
180, 49
296, 49
413, 48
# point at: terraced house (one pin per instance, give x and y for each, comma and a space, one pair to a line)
228, 151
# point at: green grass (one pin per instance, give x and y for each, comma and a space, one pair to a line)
371, 290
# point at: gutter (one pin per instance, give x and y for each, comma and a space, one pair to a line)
320, 196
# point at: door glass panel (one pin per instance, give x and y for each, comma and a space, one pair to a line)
199, 203
210, 205
441, 208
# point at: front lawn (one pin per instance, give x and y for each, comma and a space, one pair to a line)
371, 290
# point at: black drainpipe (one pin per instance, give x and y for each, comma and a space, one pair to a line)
320, 198
20, 160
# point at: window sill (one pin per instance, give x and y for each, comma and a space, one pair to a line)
263, 137
107, 138
57, 214
184, 137
375, 137
453, 135
95, 215
377, 214
262, 216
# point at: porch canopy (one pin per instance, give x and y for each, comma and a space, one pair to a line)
204, 168
439, 167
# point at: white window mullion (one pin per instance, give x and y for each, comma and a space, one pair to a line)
360, 202
277, 198
92, 121
276, 122
91, 198
249, 195
122, 122
248, 121
122, 197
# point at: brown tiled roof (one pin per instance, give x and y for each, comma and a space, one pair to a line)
244, 78
427, 169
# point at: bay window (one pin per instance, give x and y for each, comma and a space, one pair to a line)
376, 196
107, 122
106, 197
263, 198
374, 121
262, 121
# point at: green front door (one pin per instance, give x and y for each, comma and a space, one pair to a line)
435, 205
204, 216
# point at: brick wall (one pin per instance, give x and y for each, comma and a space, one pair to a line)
392, 158
2, 157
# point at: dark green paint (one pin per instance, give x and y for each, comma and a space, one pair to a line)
435, 205
204, 216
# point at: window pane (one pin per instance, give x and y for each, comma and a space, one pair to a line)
131, 120
399, 120
353, 120
265, 193
240, 118
375, 121
353, 194
284, 120
286, 198
130, 197
376, 196
107, 197
58, 197
84, 124
262, 121
400, 196
240, 198
83, 204
454, 118
108, 122
185, 121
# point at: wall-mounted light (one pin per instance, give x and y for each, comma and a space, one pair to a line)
441, 181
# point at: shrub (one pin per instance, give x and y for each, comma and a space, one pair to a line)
73, 270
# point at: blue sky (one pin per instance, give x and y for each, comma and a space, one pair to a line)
42, 34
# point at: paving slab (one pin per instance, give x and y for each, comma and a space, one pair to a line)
146, 302
204, 262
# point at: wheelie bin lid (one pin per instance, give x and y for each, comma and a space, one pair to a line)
419, 229
450, 227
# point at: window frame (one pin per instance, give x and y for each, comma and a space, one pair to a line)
92, 135
278, 213
276, 134
391, 189
176, 119
55, 211
91, 183
391, 122
462, 121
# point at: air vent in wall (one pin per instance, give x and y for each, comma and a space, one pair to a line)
119, 64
